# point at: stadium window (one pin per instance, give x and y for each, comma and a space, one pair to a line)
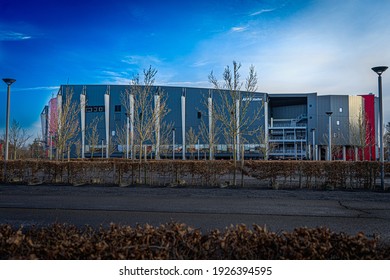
341, 110
338, 122
118, 108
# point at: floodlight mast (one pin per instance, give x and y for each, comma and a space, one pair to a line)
379, 70
9, 82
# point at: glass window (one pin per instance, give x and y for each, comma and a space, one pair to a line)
341, 110
338, 122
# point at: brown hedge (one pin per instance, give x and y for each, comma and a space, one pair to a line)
177, 241
275, 174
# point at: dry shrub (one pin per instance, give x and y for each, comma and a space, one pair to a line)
274, 174
178, 241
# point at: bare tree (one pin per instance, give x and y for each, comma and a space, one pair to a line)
121, 137
387, 140
231, 112
192, 138
18, 137
147, 116
92, 135
360, 132
78, 148
68, 123
37, 148
264, 148
209, 131
165, 137
209, 136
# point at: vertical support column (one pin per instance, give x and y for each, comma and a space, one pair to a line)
344, 153
107, 118
296, 150
315, 148
127, 135
266, 141
173, 143
198, 149
238, 129
295, 144
82, 112
50, 131
330, 136
59, 121
356, 154
211, 136
301, 149
59, 110
183, 123
157, 123
131, 102
318, 151
284, 137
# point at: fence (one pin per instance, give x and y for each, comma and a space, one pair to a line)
221, 173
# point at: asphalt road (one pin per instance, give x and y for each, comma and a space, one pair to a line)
204, 208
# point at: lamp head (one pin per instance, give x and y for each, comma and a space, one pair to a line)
329, 113
379, 69
9, 81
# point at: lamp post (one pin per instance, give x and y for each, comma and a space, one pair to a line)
313, 130
9, 82
329, 113
379, 70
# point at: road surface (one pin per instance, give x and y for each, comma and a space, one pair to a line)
204, 208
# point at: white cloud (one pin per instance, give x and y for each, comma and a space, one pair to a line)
322, 48
112, 77
262, 12
201, 63
37, 88
205, 84
141, 61
238, 28
13, 36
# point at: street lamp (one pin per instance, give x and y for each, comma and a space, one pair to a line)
329, 113
9, 82
379, 70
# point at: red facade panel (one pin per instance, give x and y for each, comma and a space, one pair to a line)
369, 114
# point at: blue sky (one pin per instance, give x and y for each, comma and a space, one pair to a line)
324, 46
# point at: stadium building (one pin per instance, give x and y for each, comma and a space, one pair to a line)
267, 125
